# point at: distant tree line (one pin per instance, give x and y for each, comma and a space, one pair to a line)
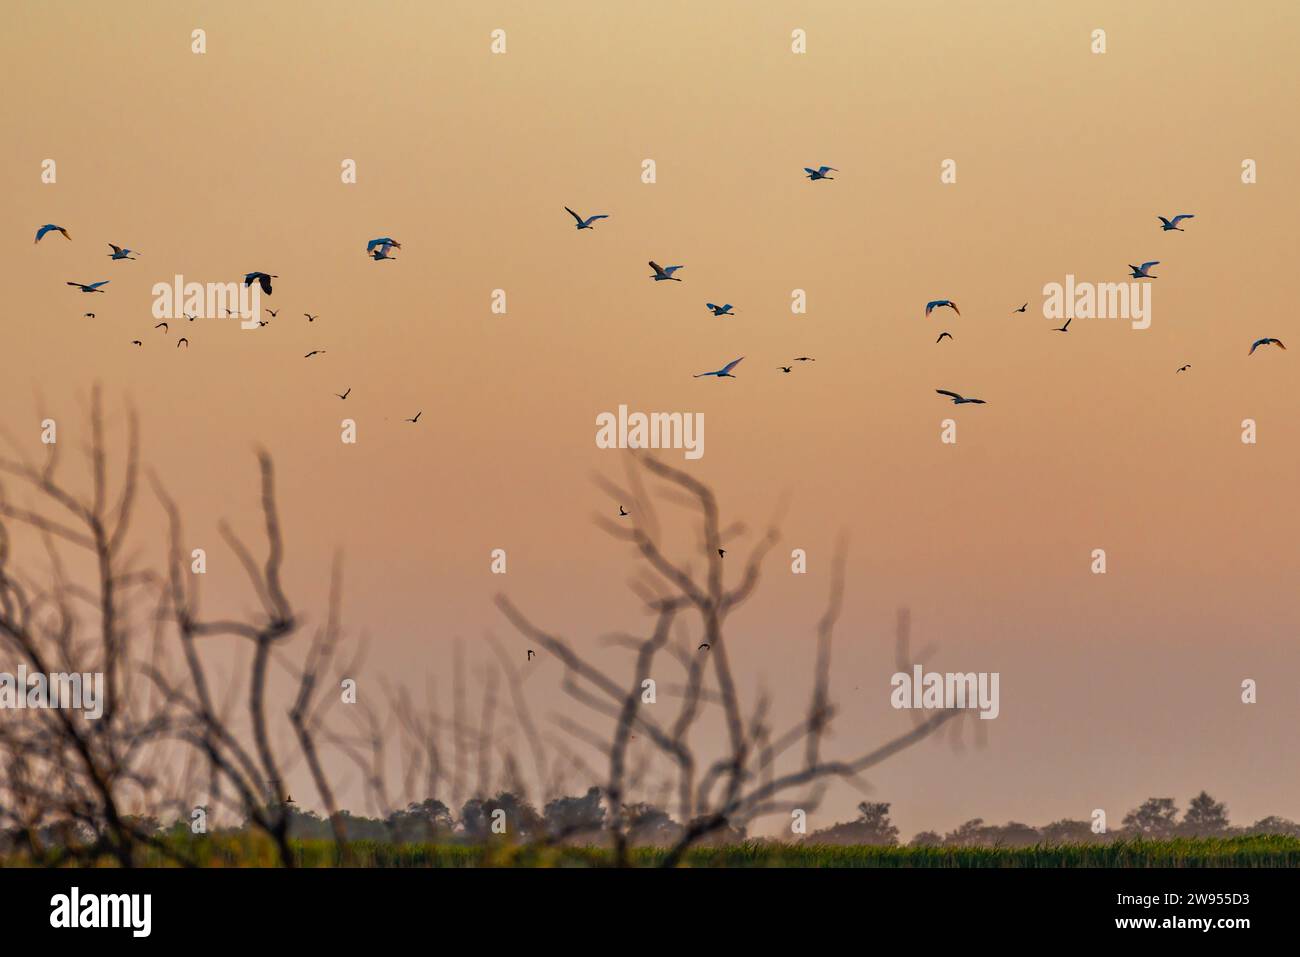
584, 820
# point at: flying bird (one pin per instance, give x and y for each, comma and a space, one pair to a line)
1140, 272
530, 654
959, 399
820, 172
722, 553
382, 252
622, 512
344, 395
934, 304
310, 317
1183, 368
136, 342
1265, 342
585, 223
941, 336
784, 368
87, 315
40, 233
724, 372
1066, 327
1169, 224
804, 359
386, 241
262, 279
314, 352
720, 310
273, 312
182, 341
662, 273
91, 287
162, 325
120, 253
1022, 308
704, 646
417, 417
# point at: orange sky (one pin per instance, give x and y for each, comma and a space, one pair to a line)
1113, 688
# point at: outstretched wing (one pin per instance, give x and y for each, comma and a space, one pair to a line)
712, 306
1180, 217
669, 270
659, 270
951, 395
573, 214
117, 249
592, 219
1145, 266
827, 169
732, 364
96, 285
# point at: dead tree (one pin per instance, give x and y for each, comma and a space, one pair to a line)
743, 782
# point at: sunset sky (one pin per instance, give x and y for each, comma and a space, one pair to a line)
1113, 688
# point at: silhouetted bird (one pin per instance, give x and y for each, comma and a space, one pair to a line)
530, 654
722, 553
136, 342
942, 335
417, 417
310, 317
1168, 224
959, 399
934, 304
1022, 308
1066, 327
344, 395
664, 272
314, 352
261, 278
92, 286
784, 368
87, 315
120, 253
273, 312
622, 512
182, 341
724, 372
1265, 342
804, 359
704, 646
820, 172
724, 310
585, 223
163, 326
1184, 368
1140, 272
40, 233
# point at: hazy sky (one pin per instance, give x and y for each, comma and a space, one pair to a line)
1113, 688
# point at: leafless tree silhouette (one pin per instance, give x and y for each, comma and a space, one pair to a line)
744, 776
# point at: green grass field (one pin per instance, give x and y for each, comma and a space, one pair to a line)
256, 851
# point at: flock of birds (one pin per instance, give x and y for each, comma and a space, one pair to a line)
380, 250
668, 274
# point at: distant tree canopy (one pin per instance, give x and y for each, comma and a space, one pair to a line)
583, 819
871, 827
